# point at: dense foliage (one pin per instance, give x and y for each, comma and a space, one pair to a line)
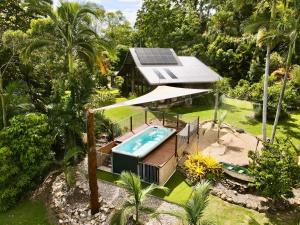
275, 170
51, 62
25, 154
229, 36
254, 92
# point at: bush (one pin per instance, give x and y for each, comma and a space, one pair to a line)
101, 98
198, 167
275, 170
254, 93
105, 125
25, 155
119, 81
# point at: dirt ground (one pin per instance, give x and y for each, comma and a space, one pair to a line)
231, 147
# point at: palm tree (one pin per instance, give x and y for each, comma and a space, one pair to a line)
73, 35
134, 203
193, 210
292, 31
265, 27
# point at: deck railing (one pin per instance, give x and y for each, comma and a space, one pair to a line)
186, 136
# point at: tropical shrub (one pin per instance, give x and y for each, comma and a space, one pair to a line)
119, 81
101, 98
254, 93
105, 125
199, 167
25, 155
275, 169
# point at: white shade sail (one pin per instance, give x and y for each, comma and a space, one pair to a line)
159, 93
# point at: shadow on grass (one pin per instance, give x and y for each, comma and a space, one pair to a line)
174, 182
291, 217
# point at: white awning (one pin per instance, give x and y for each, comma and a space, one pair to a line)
159, 93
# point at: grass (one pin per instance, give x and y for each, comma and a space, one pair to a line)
240, 114
26, 213
220, 211
123, 112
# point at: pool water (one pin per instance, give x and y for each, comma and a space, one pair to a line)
144, 142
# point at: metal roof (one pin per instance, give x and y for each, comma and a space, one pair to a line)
189, 69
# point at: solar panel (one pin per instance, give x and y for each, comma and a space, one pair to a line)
159, 74
156, 56
170, 73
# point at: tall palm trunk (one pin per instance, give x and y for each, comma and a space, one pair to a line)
2, 102
288, 64
265, 96
216, 106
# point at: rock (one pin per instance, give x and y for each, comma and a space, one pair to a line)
240, 130
229, 199
102, 218
223, 196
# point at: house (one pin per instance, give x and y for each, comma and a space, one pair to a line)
146, 68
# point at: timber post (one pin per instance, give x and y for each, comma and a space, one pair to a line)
198, 125
92, 162
163, 118
177, 122
176, 144
131, 123
112, 132
146, 117
188, 139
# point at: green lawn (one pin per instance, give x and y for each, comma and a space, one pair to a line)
240, 114
220, 211
26, 213
123, 112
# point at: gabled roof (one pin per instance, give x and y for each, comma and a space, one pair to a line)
163, 66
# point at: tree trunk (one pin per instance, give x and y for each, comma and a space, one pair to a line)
136, 215
92, 163
288, 63
265, 96
2, 102
216, 106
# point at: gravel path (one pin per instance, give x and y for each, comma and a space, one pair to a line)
116, 196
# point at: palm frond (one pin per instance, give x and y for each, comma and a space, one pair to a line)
150, 189
197, 202
120, 216
251, 221
130, 181
34, 45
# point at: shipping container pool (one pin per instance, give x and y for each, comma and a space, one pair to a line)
127, 155
140, 144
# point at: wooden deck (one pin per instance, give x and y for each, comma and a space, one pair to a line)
162, 154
